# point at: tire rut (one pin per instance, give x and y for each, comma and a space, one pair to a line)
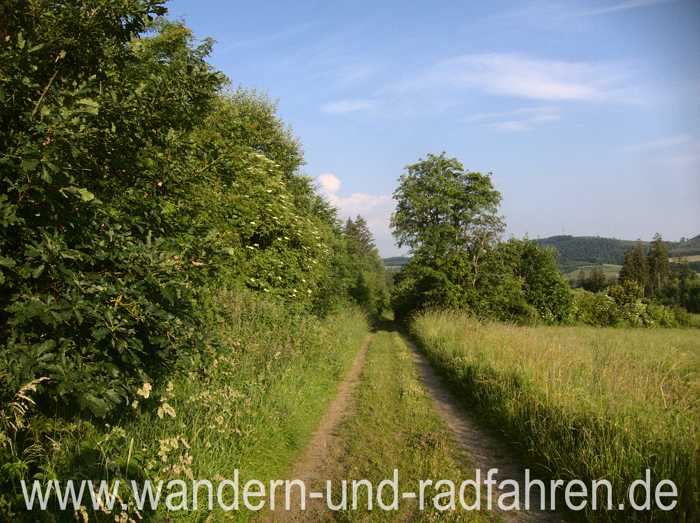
318, 461
484, 449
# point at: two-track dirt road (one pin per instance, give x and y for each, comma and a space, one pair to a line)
480, 447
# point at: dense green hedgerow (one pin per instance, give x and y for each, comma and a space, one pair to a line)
134, 185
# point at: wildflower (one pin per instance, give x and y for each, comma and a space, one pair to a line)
145, 390
165, 409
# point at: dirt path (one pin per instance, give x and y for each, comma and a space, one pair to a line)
483, 449
318, 461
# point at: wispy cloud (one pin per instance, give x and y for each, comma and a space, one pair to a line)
678, 153
664, 142
350, 75
269, 38
557, 15
524, 119
347, 106
522, 76
620, 6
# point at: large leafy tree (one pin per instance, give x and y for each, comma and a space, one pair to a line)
129, 184
448, 217
443, 209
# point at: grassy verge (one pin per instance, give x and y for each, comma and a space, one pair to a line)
250, 402
583, 402
394, 426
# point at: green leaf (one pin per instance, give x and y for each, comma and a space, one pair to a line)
83, 193
96, 405
37, 272
91, 106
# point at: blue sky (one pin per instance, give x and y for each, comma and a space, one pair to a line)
586, 113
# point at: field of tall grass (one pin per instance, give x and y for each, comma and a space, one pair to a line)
582, 402
250, 402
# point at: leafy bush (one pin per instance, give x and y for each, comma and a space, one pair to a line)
623, 305
97, 288
516, 281
132, 188
251, 397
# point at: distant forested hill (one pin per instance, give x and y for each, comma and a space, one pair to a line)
396, 261
583, 251
578, 251
686, 248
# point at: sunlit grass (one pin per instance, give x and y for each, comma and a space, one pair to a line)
250, 401
395, 426
583, 402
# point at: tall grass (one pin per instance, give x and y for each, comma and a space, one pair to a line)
583, 402
250, 401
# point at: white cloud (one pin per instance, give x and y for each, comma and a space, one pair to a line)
269, 38
521, 76
524, 119
346, 106
558, 15
376, 209
329, 183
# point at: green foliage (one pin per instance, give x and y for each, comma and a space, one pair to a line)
96, 289
594, 281
132, 187
657, 260
251, 398
369, 287
635, 267
543, 287
624, 305
575, 251
442, 210
449, 219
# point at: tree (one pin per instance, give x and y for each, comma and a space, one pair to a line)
448, 217
635, 267
444, 210
595, 281
657, 262
543, 286
361, 236
369, 287
581, 279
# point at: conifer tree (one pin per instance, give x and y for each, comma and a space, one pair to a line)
635, 267
657, 261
